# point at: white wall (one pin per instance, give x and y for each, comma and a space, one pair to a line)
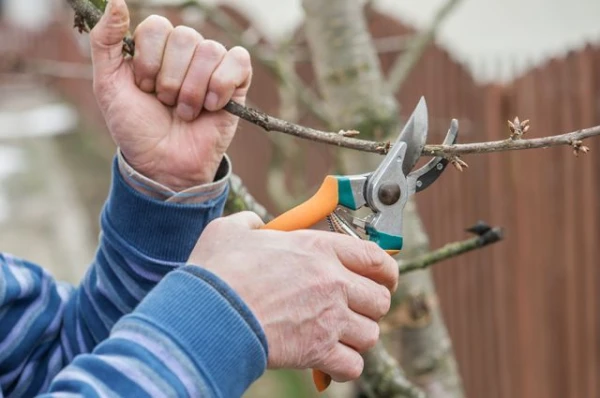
31, 14
497, 39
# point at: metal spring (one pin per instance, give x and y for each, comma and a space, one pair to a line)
339, 225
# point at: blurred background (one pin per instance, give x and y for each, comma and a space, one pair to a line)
522, 315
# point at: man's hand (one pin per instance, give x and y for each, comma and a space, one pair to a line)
164, 107
318, 295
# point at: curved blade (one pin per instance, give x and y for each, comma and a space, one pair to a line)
414, 134
426, 175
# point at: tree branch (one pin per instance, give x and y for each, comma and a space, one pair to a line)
451, 250
406, 62
413, 308
270, 123
571, 139
87, 11
383, 377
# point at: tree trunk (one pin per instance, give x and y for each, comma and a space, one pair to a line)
426, 350
352, 85
347, 68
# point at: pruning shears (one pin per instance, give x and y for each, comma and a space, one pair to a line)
385, 191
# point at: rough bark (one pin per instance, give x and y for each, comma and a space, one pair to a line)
426, 350
352, 85
347, 67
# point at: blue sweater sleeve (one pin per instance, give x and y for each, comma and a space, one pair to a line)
47, 326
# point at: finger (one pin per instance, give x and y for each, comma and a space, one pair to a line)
150, 41
230, 80
206, 59
178, 54
106, 39
367, 259
361, 333
342, 363
245, 219
367, 297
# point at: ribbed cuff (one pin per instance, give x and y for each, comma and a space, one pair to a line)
157, 190
166, 231
212, 324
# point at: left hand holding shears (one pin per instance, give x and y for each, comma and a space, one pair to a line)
384, 191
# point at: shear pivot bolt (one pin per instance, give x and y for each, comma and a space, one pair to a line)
389, 193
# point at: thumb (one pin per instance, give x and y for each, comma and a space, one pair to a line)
245, 220
106, 38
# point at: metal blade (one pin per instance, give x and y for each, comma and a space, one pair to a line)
422, 178
414, 134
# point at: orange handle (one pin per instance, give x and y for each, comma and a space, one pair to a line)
321, 380
315, 209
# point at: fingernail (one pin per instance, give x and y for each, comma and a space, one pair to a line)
211, 101
186, 112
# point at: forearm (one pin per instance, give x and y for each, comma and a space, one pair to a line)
45, 324
142, 239
171, 346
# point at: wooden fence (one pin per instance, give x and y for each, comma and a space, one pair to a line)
522, 314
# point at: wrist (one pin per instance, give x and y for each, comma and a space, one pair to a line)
192, 191
164, 230
179, 183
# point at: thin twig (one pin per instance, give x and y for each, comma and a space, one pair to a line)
405, 63
86, 11
570, 139
270, 123
451, 250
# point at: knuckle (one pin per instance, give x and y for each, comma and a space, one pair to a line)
240, 55
318, 244
211, 49
373, 254
189, 96
218, 83
154, 22
147, 66
355, 368
322, 340
184, 34
372, 336
334, 285
385, 301
167, 84
327, 285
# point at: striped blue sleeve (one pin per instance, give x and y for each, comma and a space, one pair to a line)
46, 324
173, 346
